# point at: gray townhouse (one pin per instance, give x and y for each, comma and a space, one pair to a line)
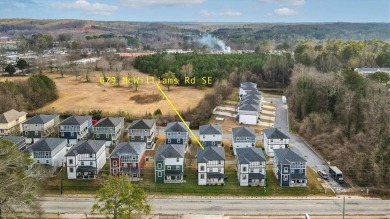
109, 129
39, 126
289, 168
210, 135
211, 166
143, 130
251, 167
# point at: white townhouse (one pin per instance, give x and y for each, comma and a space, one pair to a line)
243, 137
274, 139
251, 167
48, 151
86, 159
248, 114
210, 135
211, 166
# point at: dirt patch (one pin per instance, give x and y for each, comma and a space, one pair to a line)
145, 99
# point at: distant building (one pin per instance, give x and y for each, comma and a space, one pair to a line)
143, 130
75, 129
49, 151
176, 133
19, 141
10, 122
368, 71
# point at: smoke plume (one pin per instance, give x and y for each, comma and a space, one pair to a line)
214, 43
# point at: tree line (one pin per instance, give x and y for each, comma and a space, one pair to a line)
27, 95
345, 117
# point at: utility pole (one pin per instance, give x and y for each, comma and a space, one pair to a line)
343, 207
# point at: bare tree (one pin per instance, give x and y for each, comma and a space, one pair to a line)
118, 68
104, 66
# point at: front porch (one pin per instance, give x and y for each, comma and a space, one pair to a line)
86, 172
215, 179
256, 179
172, 176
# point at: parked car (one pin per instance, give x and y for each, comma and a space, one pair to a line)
323, 174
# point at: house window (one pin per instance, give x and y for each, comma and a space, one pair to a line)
142, 137
62, 134
90, 155
36, 132
201, 168
71, 170
97, 136
177, 167
159, 166
272, 147
168, 167
159, 174
114, 163
292, 171
47, 161
145, 130
204, 136
271, 140
285, 177
219, 170
114, 171
202, 176
178, 140
91, 163
70, 161
134, 165
169, 140
72, 134
177, 159
132, 137
82, 163
37, 161
301, 171
244, 177
285, 169
26, 132
219, 162
107, 135
243, 169
214, 143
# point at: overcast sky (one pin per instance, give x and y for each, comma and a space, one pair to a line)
201, 10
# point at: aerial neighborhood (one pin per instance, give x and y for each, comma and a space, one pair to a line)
84, 146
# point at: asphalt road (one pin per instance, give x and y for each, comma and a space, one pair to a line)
223, 206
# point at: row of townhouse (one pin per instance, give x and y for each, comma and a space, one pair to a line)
250, 101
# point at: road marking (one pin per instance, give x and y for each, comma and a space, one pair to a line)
178, 114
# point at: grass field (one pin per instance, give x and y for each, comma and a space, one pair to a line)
81, 97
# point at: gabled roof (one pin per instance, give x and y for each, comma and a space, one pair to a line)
287, 156
169, 151
40, 119
176, 127
243, 132
210, 130
248, 107
136, 148
11, 115
245, 84
247, 155
275, 133
46, 144
86, 147
255, 92
75, 120
142, 124
210, 153
109, 122
248, 88
250, 96
251, 101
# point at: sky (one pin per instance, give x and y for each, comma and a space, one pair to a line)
258, 11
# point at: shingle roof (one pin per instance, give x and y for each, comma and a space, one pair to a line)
11, 115
256, 176
40, 119
275, 133
247, 155
86, 147
169, 151
287, 156
248, 107
14, 139
109, 122
75, 120
129, 148
255, 92
210, 153
210, 129
248, 88
245, 84
176, 127
142, 124
250, 96
251, 101
243, 132
47, 144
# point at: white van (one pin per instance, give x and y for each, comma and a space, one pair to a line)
323, 174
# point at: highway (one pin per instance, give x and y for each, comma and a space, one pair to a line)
240, 206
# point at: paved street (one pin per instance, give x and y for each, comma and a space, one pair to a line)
223, 206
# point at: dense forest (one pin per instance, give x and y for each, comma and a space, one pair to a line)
346, 118
27, 95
